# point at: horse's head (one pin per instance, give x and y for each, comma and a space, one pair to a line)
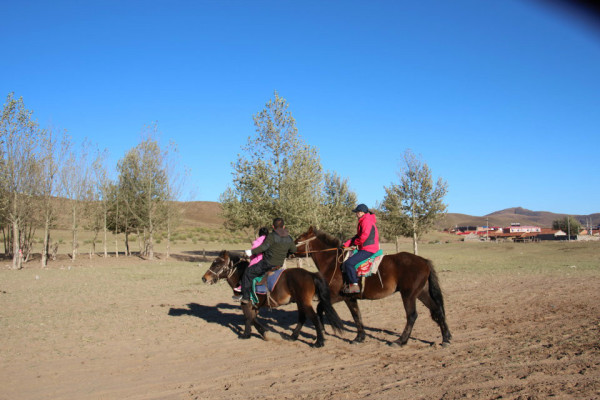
220, 268
302, 247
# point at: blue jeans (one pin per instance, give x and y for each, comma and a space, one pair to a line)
349, 267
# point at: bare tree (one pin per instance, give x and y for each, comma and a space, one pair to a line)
74, 179
48, 182
19, 138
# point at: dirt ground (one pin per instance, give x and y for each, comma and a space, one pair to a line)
132, 329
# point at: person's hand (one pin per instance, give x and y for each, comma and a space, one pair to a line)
248, 253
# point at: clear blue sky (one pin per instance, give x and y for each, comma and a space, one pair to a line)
500, 98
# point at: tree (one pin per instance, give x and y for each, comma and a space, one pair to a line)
175, 182
75, 185
49, 187
20, 176
278, 175
412, 207
569, 225
143, 186
338, 200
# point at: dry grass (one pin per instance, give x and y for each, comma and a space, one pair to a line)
128, 328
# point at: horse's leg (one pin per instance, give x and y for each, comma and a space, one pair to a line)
410, 306
300, 324
249, 315
317, 323
321, 315
437, 315
352, 304
262, 330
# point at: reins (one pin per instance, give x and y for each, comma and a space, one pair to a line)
229, 267
339, 257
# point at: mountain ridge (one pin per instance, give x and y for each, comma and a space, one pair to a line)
208, 212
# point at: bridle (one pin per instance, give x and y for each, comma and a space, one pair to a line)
227, 268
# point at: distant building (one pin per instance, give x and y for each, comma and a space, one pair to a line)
522, 229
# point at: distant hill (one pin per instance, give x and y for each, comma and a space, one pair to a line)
505, 217
208, 213
198, 213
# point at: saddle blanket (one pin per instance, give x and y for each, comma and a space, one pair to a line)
369, 266
272, 280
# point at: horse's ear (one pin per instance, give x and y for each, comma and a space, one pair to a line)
224, 254
311, 229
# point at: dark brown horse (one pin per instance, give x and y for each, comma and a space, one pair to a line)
294, 285
409, 274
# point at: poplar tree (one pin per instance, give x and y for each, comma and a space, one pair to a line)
143, 187
412, 207
75, 185
338, 201
19, 177
276, 175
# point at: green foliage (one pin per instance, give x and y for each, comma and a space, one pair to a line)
338, 200
278, 175
567, 225
411, 207
22, 151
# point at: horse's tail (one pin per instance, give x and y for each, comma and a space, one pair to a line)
324, 296
435, 292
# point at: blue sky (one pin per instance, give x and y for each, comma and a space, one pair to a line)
501, 99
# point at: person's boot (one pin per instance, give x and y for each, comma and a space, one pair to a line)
352, 288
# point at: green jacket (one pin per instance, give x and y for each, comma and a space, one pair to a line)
276, 247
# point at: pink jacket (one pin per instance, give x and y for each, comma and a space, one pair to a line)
367, 235
256, 257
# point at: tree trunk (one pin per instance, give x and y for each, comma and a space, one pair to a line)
397, 244
17, 254
151, 242
169, 238
415, 249
74, 228
105, 235
46, 242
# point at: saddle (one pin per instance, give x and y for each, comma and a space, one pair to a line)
265, 284
369, 266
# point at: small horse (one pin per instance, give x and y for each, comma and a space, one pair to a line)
294, 285
413, 276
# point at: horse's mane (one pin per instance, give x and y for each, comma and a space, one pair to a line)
327, 238
235, 257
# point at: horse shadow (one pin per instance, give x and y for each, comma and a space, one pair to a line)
276, 320
231, 317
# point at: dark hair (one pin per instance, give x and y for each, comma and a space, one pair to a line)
263, 231
278, 223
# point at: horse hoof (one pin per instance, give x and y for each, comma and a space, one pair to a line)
445, 344
396, 343
319, 344
357, 340
244, 336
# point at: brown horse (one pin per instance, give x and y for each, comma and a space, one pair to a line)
294, 285
409, 274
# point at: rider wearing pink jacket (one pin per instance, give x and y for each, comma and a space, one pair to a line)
367, 241
262, 234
